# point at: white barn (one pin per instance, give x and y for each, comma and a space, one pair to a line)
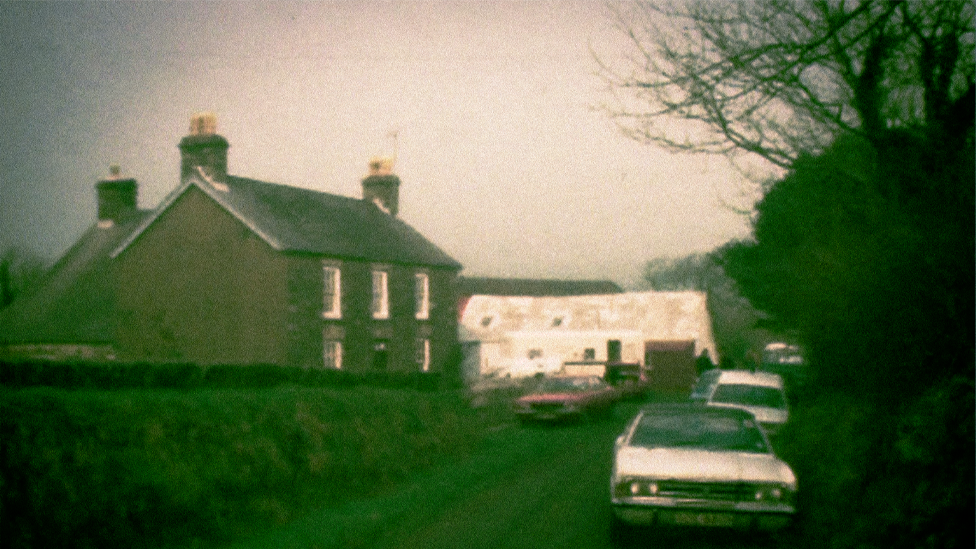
524, 336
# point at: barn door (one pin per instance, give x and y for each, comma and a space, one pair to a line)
671, 364
614, 350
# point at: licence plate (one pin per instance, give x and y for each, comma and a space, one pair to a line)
682, 518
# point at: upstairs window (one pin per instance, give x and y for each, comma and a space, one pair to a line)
331, 292
380, 306
422, 295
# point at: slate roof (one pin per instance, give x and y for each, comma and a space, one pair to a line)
292, 219
73, 303
469, 286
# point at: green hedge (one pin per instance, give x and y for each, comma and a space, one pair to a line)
88, 375
885, 476
124, 468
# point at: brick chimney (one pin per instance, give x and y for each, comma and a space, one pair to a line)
117, 197
381, 186
204, 148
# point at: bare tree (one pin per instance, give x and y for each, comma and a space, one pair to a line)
777, 78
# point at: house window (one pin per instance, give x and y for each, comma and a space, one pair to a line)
332, 355
381, 296
423, 354
422, 294
331, 292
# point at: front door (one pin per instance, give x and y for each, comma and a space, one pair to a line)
381, 355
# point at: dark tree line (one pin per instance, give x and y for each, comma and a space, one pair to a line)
19, 271
864, 248
736, 324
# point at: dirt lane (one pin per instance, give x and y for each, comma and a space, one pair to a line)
529, 487
557, 502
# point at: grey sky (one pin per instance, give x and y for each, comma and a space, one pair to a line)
503, 164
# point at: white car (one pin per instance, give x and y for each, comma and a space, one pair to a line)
699, 466
761, 393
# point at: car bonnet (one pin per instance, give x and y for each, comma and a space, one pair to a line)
705, 465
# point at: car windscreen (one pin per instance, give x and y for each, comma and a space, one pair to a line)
703, 385
749, 395
698, 431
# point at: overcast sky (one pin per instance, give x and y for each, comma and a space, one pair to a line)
503, 164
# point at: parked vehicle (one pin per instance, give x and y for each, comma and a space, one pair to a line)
628, 377
786, 361
567, 397
761, 393
704, 386
699, 466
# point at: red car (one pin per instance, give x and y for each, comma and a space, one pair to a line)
567, 397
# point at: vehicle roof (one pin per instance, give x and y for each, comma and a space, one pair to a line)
745, 377
694, 408
564, 377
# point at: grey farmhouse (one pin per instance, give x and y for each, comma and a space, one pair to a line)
230, 270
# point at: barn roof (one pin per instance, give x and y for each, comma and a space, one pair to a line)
292, 219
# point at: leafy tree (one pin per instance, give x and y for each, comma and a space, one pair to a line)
869, 107
867, 250
869, 276
19, 271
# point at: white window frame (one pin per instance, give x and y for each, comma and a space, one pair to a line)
331, 304
422, 295
332, 354
423, 354
380, 305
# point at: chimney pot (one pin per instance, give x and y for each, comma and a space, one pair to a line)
381, 186
117, 197
203, 147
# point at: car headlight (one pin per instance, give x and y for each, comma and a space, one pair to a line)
636, 487
774, 493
